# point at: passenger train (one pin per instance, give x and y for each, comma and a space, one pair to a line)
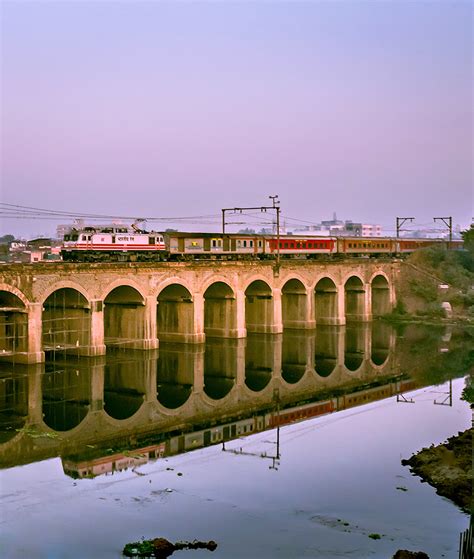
120, 243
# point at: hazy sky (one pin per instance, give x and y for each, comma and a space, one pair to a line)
182, 108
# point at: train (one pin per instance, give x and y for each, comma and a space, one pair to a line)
118, 243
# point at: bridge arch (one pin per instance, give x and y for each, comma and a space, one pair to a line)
380, 291
354, 290
220, 310
64, 284
294, 304
14, 291
259, 307
124, 316
175, 313
326, 301
66, 320
13, 322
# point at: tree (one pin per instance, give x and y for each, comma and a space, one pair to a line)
468, 237
6, 239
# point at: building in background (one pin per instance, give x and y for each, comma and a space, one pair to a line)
338, 228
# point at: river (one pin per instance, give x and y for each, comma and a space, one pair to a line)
284, 446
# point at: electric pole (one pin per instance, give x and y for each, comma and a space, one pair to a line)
275, 206
401, 221
448, 221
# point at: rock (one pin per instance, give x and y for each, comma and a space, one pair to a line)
447, 309
448, 468
405, 554
162, 547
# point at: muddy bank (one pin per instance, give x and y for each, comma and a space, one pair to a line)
448, 468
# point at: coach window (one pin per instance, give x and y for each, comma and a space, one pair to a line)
113, 238
281, 245
151, 240
214, 243
260, 244
245, 244
251, 243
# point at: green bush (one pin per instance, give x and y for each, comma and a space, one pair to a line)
399, 308
427, 291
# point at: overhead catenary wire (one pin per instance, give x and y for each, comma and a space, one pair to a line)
22, 212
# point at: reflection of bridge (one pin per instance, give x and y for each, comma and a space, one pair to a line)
58, 406
84, 308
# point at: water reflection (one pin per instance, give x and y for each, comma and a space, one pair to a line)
66, 395
380, 346
175, 374
125, 384
259, 360
13, 400
227, 387
326, 349
222, 359
355, 346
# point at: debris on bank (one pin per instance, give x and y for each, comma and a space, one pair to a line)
161, 548
405, 554
448, 468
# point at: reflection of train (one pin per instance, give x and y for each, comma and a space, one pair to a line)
120, 243
119, 461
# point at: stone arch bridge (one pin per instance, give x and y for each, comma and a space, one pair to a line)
85, 308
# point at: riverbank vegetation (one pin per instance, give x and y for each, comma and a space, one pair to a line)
435, 275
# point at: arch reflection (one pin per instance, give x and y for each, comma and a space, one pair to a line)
326, 349
354, 349
13, 401
259, 359
66, 389
125, 384
222, 358
294, 360
381, 339
175, 375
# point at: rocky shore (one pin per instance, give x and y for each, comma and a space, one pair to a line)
448, 468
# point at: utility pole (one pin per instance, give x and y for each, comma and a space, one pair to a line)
448, 221
275, 206
401, 221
